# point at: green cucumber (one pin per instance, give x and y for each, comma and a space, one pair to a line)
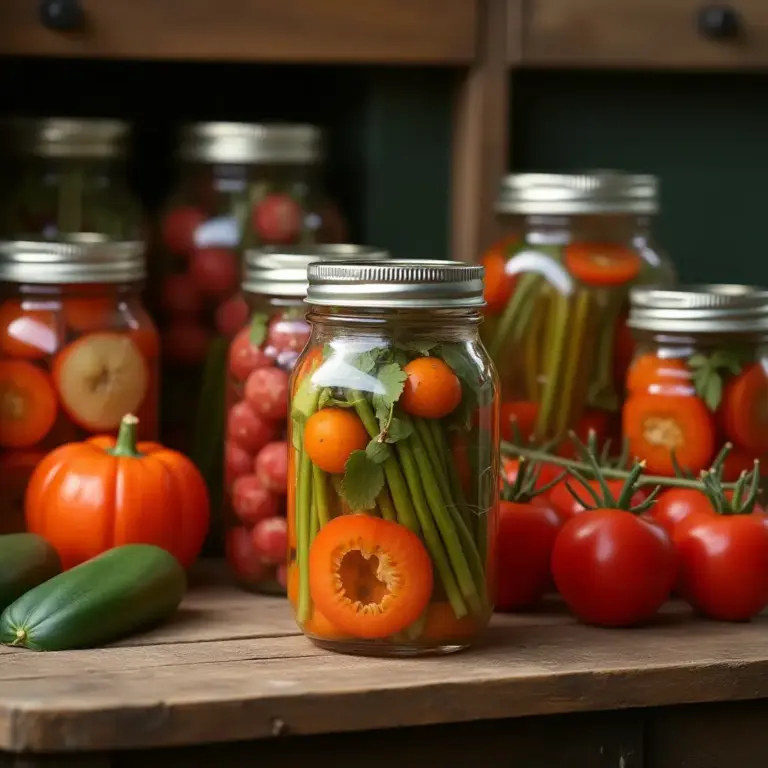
124, 590
26, 560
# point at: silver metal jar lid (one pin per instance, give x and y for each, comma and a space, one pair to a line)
63, 137
397, 284
81, 259
699, 309
555, 194
276, 271
251, 143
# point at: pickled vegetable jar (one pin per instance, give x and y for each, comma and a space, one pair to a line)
261, 357
557, 290
68, 176
699, 378
393, 469
77, 353
239, 186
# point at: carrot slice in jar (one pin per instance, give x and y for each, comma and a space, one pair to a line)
28, 404
371, 578
745, 409
658, 425
602, 263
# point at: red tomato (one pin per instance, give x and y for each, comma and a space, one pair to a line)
231, 316
613, 568
245, 357
563, 501
271, 466
252, 501
248, 429
675, 506
266, 390
547, 473
180, 297
277, 219
178, 229
270, 539
724, 565
216, 271
526, 536
243, 556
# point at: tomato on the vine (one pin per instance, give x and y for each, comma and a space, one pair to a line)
677, 505
567, 506
526, 536
547, 473
614, 568
724, 564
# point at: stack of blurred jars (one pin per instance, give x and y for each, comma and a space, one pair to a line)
77, 349
239, 186
260, 359
557, 292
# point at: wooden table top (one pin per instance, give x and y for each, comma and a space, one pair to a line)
233, 666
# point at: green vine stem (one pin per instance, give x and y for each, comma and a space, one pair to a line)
745, 493
609, 473
524, 488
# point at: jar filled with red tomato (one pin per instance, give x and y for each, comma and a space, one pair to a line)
261, 357
239, 186
557, 288
78, 352
393, 460
699, 378
68, 176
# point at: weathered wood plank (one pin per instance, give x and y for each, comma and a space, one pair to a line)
651, 34
520, 670
300, 31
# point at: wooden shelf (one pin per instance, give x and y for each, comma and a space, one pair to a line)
287, 31
233, 666
638, 34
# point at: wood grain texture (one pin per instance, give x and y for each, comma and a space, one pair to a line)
654, 34
236, 669
481, 135
301, 31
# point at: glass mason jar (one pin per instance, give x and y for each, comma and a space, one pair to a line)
557, 288
68, 176
393, 470
261, 357
239, 186
699, 377
77, 353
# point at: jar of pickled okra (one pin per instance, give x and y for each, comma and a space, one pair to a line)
68, 175
78, 352
239, 186
261, 357
557, 288
699, 378
393, 466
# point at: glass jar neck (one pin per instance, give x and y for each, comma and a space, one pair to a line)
428, 321
559, 230
676, 340
266, 301
121, 291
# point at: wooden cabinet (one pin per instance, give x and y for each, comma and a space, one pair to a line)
301, 31
644, 34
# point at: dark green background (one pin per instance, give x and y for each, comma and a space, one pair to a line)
705, 135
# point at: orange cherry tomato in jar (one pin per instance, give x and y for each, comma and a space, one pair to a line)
370, 577
499, 285
331, 435
432, 390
